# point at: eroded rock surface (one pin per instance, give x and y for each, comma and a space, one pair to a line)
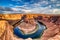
51, 33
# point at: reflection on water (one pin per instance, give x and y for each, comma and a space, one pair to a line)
37, 34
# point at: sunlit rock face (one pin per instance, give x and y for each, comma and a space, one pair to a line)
29, 30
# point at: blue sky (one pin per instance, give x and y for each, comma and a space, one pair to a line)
33, 6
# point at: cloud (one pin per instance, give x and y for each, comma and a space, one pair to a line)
41, 3
56, 11
34, 6
11, 5
13, 10
22, 9
5, 9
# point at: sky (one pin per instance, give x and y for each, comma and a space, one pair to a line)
30, 6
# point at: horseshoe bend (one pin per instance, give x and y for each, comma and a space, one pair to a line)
9, 23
